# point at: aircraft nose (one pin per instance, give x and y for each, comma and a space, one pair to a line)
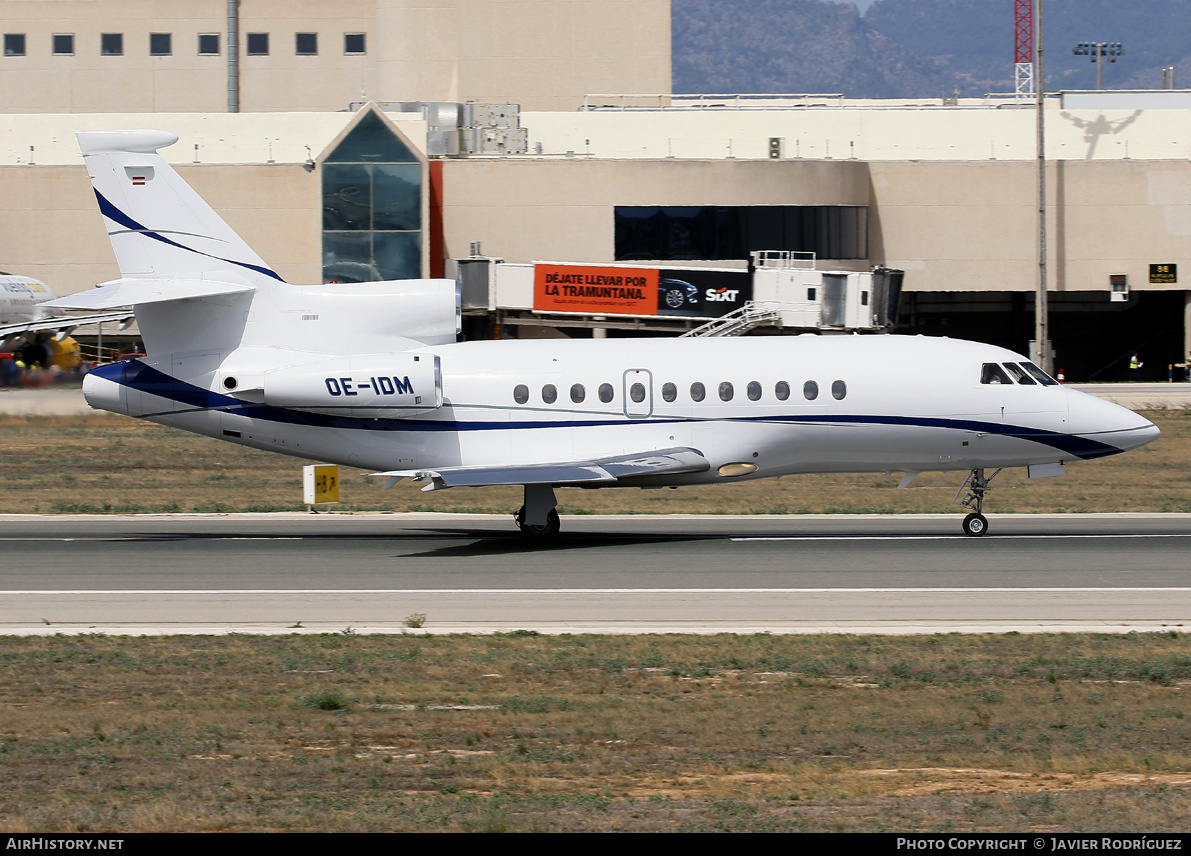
1137, 437
1108, 423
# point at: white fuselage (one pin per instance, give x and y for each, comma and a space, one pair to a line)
878, 403
21, 300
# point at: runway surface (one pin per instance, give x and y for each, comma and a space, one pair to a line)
470, 573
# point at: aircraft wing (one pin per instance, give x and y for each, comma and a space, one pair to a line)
64, 322
603, 470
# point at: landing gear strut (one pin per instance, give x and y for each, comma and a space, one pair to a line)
975, 524
538, 518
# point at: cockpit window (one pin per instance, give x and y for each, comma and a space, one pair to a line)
992, 373
1019, 375
1039, 375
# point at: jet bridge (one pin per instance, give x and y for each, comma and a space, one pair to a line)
780, 290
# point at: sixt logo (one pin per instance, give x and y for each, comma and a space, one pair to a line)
721, 295
378, 385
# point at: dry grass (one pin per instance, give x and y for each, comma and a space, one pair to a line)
111, 463
518, 732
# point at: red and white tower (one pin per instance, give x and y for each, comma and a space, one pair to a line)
1023, 47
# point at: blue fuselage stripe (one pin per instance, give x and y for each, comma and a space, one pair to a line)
117, 216
139, 376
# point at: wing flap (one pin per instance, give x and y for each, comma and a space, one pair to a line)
663, 462
607, 470
445, 477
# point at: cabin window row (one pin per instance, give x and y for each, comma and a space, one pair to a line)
697, 391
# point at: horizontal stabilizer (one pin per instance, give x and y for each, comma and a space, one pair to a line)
664, 461
130, 292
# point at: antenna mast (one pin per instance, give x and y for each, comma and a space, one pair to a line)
1023, 47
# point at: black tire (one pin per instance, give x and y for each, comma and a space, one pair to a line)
675, 298
549, 530
975, 525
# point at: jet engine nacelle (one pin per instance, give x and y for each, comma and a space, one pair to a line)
375, 385
371, 316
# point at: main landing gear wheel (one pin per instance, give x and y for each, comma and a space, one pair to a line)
549, 530
975, 525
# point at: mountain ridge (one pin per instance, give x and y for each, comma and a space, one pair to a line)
915, 48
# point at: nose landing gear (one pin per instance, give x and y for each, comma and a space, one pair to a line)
975, 524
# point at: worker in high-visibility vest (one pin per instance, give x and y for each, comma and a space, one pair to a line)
1135, 368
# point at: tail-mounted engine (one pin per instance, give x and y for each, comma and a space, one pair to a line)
374, 386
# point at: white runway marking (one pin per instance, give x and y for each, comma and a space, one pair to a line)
1014, 537
165, 538
1021, 536
938, 590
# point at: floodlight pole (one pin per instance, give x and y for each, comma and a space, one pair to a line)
1041, 303
1098, 51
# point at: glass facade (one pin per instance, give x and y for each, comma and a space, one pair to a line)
732, 232
372, 207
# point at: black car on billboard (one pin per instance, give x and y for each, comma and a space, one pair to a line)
675, 295
702, 293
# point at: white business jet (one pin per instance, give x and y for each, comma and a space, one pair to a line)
370, 375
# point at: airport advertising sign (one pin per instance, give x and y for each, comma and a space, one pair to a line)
695, 293
594, 290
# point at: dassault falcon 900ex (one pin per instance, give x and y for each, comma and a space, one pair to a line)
371, 375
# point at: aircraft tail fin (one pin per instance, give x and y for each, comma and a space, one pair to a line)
159, 227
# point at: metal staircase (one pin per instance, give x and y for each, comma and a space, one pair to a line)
739, 321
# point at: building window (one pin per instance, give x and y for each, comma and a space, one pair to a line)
64, 43
258, 44
161, 44
14, 44
732, 232
306, 44
208, 44
372, 207
353, 43
111, 44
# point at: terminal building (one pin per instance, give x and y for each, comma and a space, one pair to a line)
488, 139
